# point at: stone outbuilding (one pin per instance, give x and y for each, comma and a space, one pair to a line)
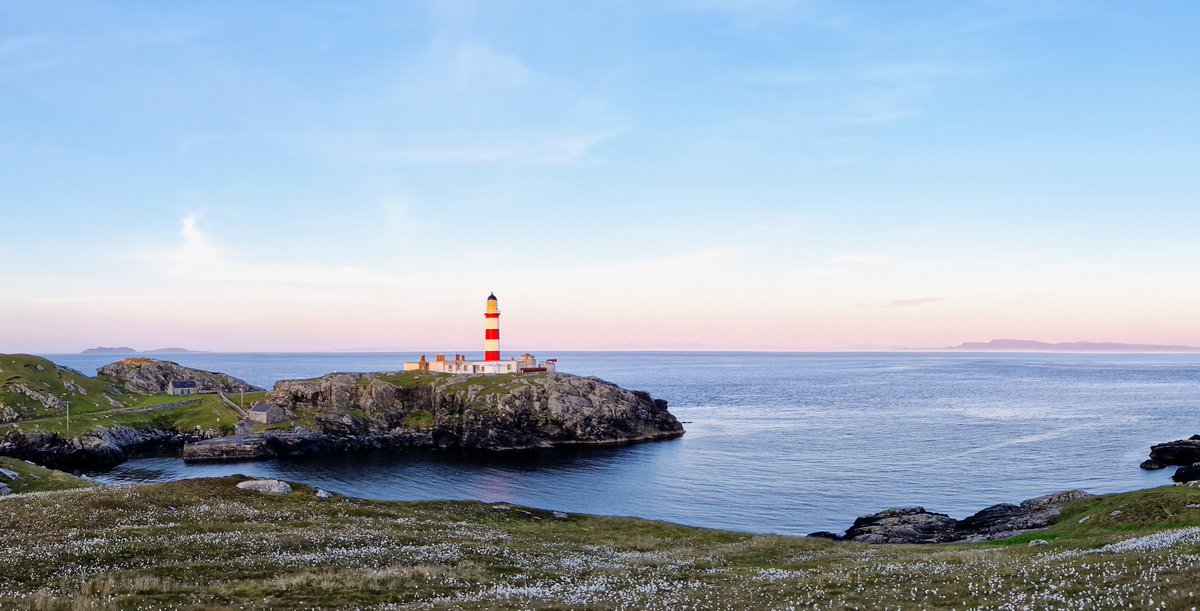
267, 413
183, 388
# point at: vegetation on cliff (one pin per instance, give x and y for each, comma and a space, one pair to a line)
58, 416
36, 394
206, 543
497, 411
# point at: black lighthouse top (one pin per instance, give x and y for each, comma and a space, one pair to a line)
492, 297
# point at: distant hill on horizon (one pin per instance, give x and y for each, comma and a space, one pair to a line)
128, 350
1028, 345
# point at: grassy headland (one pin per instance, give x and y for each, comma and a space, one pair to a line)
205, 543
97, 401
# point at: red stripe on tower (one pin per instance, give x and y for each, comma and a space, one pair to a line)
491, 330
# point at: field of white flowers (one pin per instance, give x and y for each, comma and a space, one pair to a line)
205, 543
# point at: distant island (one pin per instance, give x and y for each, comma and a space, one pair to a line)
128, 350
1028, 345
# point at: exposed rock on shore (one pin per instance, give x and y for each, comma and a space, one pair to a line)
1183, 452
1187, 474
151, 376
499, 412
916, 525
101, 448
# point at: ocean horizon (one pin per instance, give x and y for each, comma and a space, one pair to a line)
786, 443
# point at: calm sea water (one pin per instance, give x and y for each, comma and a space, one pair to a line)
784, 443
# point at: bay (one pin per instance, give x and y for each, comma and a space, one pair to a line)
780, 442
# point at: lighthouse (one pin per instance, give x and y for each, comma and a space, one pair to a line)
491, 362
491, 330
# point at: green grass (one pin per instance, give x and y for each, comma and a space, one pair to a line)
204, 543
32, 478
419, 419
89, 409
496, 383
23, 369
205, 411
412, 379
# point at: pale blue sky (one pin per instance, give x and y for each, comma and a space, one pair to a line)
296, 175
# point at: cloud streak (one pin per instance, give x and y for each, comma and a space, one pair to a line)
906, 303
197, 258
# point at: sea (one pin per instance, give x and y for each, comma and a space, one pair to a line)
786, 443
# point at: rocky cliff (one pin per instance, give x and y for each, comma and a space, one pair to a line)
498, 412
101, 448
485, 411
151, 376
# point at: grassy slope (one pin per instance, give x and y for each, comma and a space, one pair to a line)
203, 543
32, 478
23, 369
91, 410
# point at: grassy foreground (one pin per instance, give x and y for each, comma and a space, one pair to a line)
206, 544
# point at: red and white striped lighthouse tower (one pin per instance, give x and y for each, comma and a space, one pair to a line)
491, 333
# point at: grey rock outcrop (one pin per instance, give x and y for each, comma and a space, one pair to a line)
100, 448
1183, 452
916, 525
497, 412
484, 411
903, 525
1006, 520
47, 400
151, 376
271, 487
1187, 474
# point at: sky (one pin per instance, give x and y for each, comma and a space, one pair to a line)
678, 174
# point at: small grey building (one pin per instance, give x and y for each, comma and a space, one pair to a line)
267, 413
183, 388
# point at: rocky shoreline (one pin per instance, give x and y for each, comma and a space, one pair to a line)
349, 412
262, 446
340, 413
102, 448
915, 525
1183, 453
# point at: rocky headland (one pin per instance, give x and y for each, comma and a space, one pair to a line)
151, 376
342, 412
119, 413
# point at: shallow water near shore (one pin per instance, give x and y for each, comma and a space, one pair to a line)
784, 443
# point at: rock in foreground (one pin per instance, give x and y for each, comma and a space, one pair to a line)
915, 525
270, 487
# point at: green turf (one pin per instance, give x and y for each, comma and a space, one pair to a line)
206, 544
32, 478
85, 394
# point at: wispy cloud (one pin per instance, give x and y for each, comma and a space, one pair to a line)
905, 303
860, 259
198, 258
480, 65
520, 149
